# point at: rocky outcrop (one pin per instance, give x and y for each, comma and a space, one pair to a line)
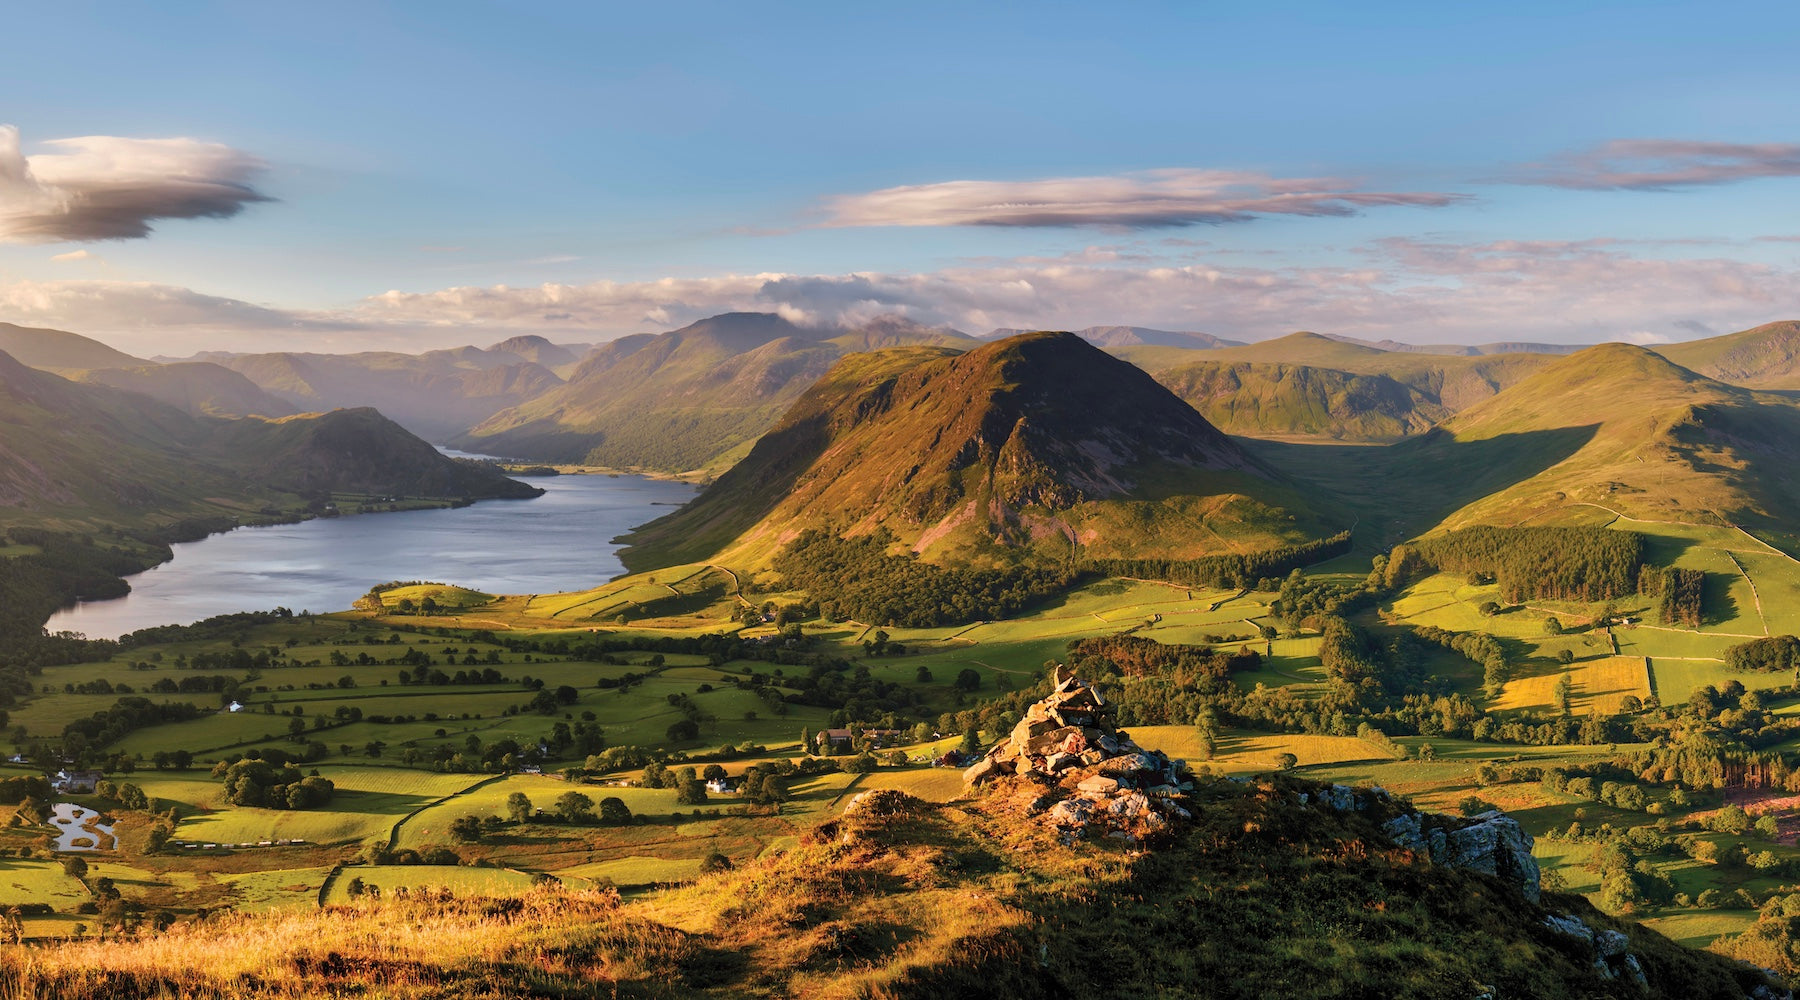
1611, 950
1492, 843
1082, 775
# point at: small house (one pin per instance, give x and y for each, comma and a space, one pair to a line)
77, 782
842, 741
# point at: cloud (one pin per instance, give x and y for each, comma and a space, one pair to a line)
72, 256
1419, 291
1144, 200
1664, 165
102, 187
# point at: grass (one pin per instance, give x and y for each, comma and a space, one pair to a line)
1596, 686
491, 882
368, 801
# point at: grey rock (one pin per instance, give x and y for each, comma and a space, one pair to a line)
1098, 785
1572, 926
1611, 944
980, 771
1495, 844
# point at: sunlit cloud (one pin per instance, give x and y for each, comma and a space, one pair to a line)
73, 256
1664, 165
1417, 291
102, 187
1143, 200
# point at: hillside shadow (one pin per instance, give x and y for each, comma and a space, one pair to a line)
1402, 489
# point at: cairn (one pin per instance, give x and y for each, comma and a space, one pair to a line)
1081, 773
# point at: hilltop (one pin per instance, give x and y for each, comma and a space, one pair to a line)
1271, 890
689, 399
1040, 444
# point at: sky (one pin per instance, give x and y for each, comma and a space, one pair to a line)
328, 176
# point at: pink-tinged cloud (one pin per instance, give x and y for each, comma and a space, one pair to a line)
1413, 291
1145, 200
1665, 165
101, 187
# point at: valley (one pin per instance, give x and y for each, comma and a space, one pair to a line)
1565, 596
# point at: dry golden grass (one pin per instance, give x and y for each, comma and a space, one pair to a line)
423, 945
1595, 685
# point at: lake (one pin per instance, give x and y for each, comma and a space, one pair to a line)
557, 542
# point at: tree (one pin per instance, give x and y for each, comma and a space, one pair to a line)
683, 731
1553, 626
1286, 761
574, 807
613, 811
923, 674
518, 807
1559, 695
74, 866
713, 772
968, 680
971, 742
714, 862
690, 792
466, 829
806, 741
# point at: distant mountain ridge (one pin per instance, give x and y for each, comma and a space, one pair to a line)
693, 398
1132, 336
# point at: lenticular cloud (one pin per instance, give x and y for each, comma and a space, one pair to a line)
101, 187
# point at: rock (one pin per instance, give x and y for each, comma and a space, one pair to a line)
1098, 785
1571, 926
1341, 797
1611, 944
980, 771
1496, 845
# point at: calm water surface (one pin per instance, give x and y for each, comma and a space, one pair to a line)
559, 541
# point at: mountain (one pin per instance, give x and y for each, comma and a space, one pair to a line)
1765, 357
436, 394
1022, 447
1134, 336
689, 399
1616, 428
57, 350
1464, 350
1309, 386
198, 387
78, 455
1282, 400
536, 350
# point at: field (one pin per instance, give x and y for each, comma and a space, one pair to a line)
343, 680
1595, 686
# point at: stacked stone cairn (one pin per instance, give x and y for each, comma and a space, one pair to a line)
1081, 774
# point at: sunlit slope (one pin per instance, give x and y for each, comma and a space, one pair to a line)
1764, 357
1624, 428
682, 400
1039, 444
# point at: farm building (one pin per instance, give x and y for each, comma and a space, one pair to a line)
843, 740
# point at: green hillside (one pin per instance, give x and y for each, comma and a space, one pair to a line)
683, 400
1282, 400
1036, 444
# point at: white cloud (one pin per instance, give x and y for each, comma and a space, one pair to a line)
1140, 200
73, 256
102, 187
1409, 290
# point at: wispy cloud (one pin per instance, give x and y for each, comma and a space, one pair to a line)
1664, 165
1143, 200
102, 187
73, 256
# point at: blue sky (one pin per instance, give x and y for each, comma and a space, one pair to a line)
343, 175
